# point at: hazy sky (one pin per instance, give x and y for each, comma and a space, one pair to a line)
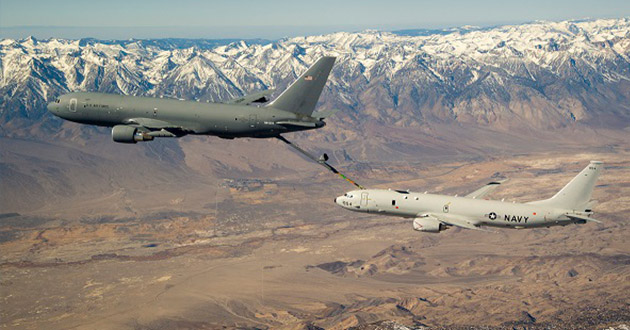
272, 19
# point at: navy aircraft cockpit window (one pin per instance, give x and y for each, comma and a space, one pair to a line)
401, 191
393, 202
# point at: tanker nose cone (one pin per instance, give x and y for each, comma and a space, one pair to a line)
52, 108
335, 200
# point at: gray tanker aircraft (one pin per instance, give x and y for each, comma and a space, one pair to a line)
136, 119
434, 213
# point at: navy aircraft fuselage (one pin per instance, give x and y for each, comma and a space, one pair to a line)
434, 213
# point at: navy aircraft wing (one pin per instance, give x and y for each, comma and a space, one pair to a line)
260, 97
490, 186
458, 221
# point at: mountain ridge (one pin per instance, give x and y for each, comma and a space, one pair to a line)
543, 75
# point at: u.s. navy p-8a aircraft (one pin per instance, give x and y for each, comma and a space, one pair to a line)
434, 213
136, 119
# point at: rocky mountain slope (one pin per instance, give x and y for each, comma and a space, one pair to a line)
540, 75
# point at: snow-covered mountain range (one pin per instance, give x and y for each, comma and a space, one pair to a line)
540, 75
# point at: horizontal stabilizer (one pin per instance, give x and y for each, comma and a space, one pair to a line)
260, 97
584, 218
296, 123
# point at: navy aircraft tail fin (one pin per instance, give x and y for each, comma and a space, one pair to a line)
302, 96
577, 193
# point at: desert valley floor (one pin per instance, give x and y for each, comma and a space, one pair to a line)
267, 253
